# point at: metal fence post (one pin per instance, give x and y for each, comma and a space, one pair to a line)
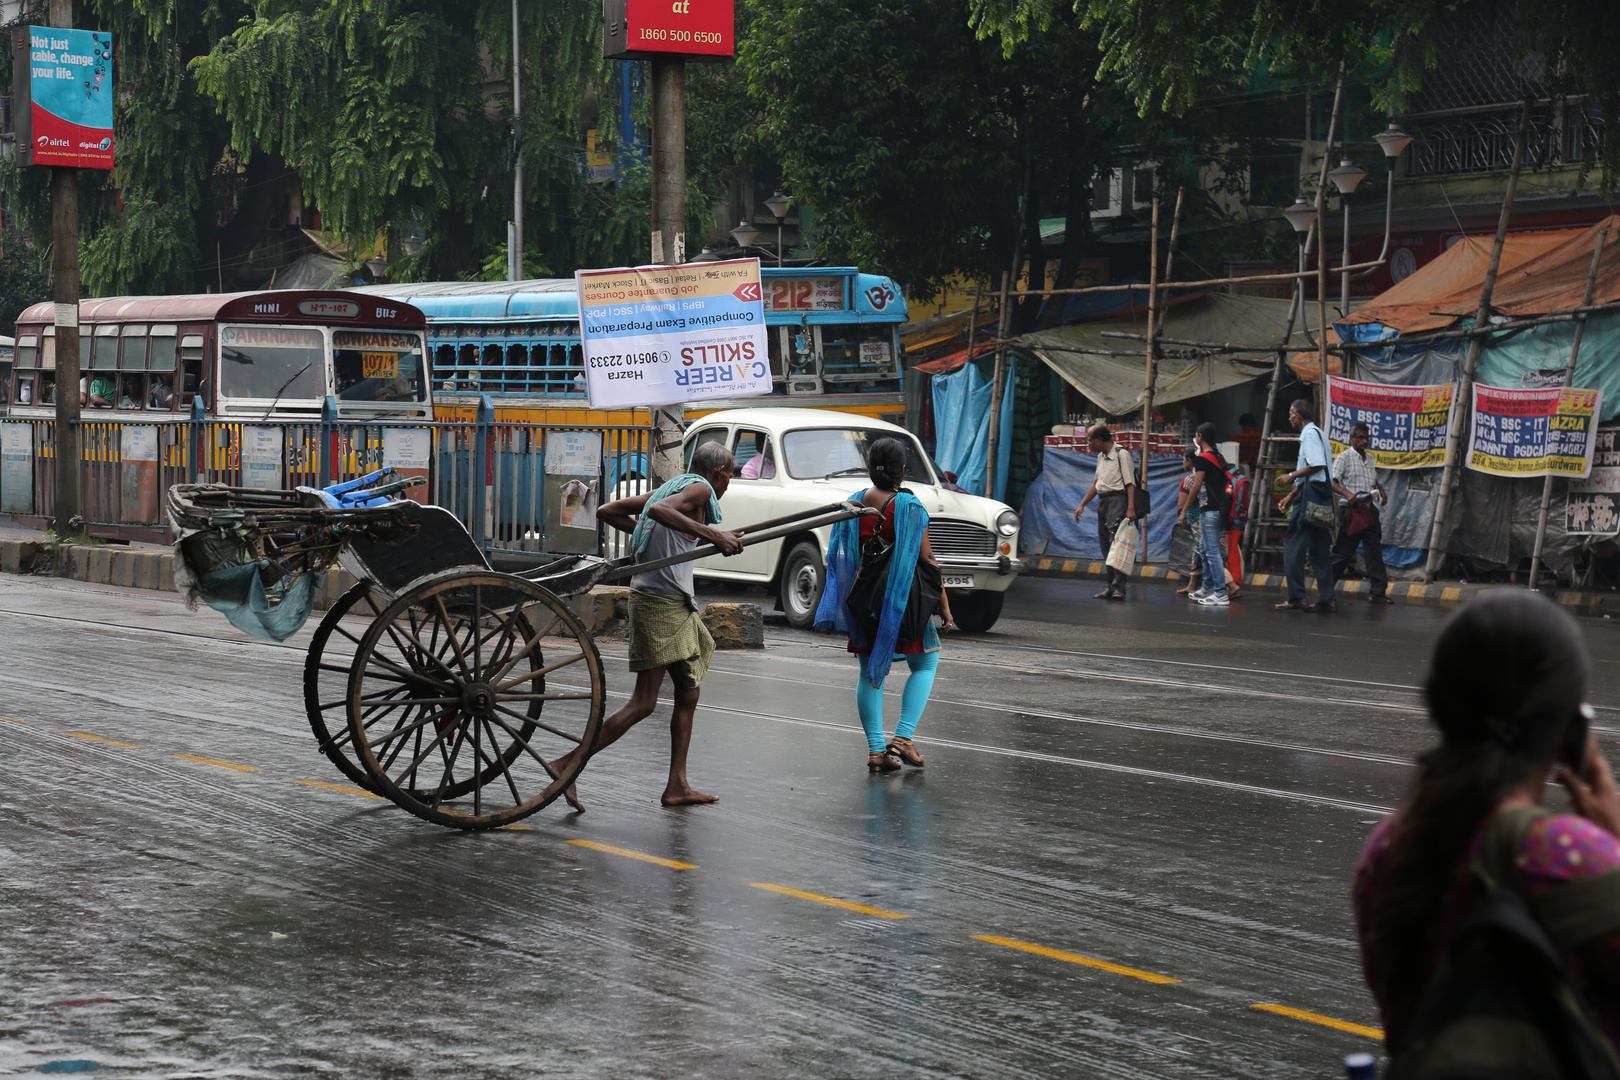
194, 440
328, 440
480, 489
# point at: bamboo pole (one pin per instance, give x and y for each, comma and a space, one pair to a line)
1322, 247
1206, 283
1569, 378
1153, 295
1570, 315
1460, 408
995, 388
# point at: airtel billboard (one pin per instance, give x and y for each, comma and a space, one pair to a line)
64, 97
644, 29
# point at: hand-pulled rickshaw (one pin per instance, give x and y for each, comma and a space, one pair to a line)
466, 683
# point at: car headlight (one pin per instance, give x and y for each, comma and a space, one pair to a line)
1007, 523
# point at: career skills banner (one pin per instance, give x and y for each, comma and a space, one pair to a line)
657, 335
1408, 424
1533, 432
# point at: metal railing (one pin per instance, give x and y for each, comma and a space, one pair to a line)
524, 487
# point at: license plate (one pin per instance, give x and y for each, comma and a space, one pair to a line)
958, 581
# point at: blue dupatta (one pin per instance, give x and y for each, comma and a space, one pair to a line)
643, 532
844, 560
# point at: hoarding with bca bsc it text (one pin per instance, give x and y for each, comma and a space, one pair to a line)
659, 335
643, 29
63, 81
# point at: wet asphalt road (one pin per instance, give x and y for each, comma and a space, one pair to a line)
1137, 823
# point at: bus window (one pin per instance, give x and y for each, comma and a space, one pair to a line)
132, 357
378, 365
191, 365
281, 363
100, 384
773, 344
27, 368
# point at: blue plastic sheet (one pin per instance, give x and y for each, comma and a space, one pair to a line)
238, 593
962, 427
1065, 476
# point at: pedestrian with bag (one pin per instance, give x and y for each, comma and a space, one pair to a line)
883, 586
1210, 494
1355, 478
1310, 514
1113, 485
1489, 926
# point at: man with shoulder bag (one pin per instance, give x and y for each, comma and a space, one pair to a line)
1311, 516
1114, 487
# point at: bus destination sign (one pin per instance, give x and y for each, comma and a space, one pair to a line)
329, 309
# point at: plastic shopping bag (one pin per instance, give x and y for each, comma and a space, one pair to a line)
1122, 554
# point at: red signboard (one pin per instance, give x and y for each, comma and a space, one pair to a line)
641, 28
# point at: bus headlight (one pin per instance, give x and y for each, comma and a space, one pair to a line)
1007, 523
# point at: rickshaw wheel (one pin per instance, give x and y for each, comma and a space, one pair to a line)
457, 702
326, 681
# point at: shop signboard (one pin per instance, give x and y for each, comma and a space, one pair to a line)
1593, 508
63, 97
1408, 424
1533, 432
658, 335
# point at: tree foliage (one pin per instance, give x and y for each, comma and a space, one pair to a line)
1169, 53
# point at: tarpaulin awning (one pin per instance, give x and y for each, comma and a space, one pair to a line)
1081, 355
1540, 273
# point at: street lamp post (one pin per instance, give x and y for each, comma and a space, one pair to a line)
745, 234
778, 206
1347, 177
1302, 215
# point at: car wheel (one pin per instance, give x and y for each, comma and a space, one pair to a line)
803, 576
976, 612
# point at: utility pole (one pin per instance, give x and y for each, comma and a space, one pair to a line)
514, 253
668, 226
65, 291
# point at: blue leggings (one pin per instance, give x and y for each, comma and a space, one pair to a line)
913, 699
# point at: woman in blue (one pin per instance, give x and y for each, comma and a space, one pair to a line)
902, 521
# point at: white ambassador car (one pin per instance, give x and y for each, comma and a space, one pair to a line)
798, 459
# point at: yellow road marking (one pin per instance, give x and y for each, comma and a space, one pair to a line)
109, 742
12, 720
1325, 1021
627, 853
345, 788
828, 900
219, 764
1076, 958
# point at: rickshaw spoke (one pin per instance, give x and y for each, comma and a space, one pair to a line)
449, 764
539, 673
582, 696
450, 635
406, 729
538, 723
506, 768
477, 653
434, 745
521, 741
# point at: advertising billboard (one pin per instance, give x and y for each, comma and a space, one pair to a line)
64, 97
1534, 432
657, 335
639, 29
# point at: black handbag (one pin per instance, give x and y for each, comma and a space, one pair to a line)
871, 583
1144, 502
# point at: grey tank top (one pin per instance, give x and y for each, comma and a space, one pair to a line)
662, 542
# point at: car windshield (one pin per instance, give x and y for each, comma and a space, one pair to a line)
276, 362
823, 452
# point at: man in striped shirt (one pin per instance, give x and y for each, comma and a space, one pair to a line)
1355, 478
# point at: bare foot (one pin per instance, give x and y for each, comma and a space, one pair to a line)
686, 796
570, 794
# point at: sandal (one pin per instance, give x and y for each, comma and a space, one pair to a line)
1194, 583
906, 752
882, 761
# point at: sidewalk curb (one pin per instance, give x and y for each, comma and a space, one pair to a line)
602, 610
1437, 594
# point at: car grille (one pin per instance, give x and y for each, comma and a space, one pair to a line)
961, 538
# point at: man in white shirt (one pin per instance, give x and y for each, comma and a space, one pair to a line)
1355, 478
1114, 487
1312, 484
